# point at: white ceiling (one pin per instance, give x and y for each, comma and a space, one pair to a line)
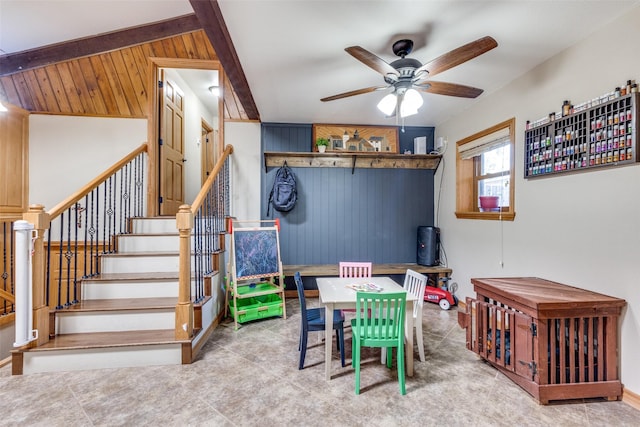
199, 82
292, 51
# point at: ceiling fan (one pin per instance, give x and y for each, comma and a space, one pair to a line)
407, 76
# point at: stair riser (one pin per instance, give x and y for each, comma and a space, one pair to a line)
165, 225
141, 243
133, 289
153, 226
112, 321
140, 264
101, 358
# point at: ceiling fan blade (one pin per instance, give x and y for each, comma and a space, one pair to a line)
451, 89
353, 93
458, 56
371, 60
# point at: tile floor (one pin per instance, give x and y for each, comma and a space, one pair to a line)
250, 377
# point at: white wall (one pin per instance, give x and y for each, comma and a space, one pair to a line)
580, 229
66, 152
246, 163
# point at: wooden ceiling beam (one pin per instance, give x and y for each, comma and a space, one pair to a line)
78, 48
212, 22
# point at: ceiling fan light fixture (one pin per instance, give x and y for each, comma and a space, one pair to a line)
410, 103
388, 104
412, 99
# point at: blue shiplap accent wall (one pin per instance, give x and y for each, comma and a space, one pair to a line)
370, 215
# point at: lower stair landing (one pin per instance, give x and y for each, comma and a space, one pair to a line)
74, 352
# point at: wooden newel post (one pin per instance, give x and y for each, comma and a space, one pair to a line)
41, 222
184, 309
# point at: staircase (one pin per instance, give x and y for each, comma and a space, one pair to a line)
126, 316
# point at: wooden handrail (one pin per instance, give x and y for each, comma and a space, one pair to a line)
7, 296
210, 180
73, 198
184, 223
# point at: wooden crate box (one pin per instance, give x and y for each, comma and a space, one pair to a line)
556, 341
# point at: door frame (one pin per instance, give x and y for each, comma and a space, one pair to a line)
153, 94
204, 149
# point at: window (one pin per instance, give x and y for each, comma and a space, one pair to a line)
485, 174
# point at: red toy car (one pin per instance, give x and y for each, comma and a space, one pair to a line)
439, 296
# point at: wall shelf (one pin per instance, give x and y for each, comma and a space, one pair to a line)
604, 135
352, 160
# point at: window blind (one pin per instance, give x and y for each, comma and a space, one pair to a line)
484, 144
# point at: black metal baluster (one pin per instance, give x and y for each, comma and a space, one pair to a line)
128, 199
205, 242
112, 211
198, 255
208, 229
93, 250
113, 206
226, 208
121, 198
96, 233
140, 185
5, 273
68, 255
12, 265
59, 305
86, 230
212, 224
75, 252
104, 218
135, 213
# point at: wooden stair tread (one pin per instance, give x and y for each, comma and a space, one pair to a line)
140, 254
150, 234
109, 339
148, 276
122, 304
171, 275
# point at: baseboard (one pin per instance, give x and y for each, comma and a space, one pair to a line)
309, 293
631, 398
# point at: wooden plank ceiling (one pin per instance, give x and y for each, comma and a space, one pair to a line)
111, 84
106, 74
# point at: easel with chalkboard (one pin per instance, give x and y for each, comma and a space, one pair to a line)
255, 278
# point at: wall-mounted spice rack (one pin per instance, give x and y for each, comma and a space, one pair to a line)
604, 135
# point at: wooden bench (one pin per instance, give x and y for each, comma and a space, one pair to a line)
318, 270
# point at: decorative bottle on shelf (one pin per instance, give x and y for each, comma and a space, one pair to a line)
566, 108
